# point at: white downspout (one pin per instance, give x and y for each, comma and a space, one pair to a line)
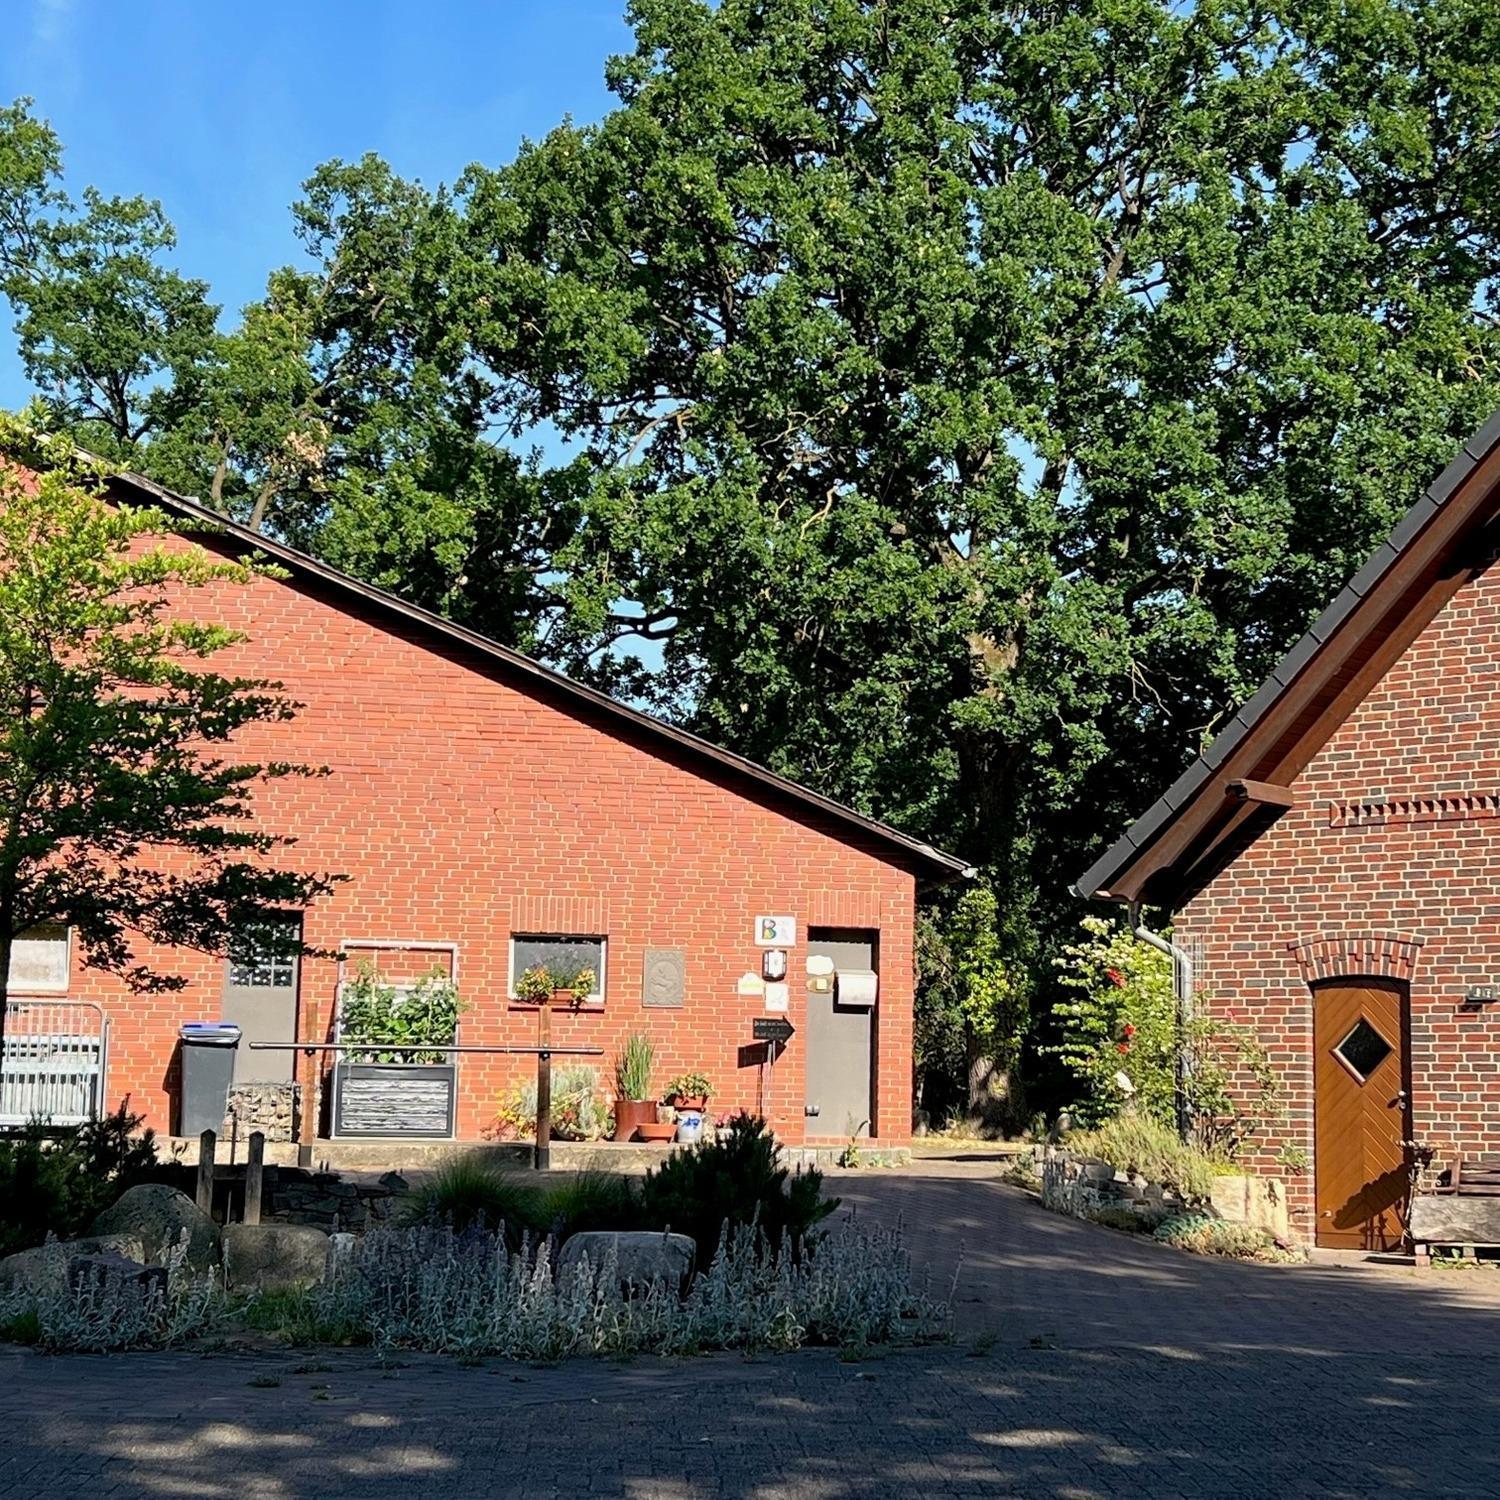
1182, 989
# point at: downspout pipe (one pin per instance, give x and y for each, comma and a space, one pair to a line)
1182, 990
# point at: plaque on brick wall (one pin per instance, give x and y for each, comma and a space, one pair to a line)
662, 978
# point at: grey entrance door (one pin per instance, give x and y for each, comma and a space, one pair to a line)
260, 996
840, 1041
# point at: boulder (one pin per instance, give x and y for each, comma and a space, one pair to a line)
45, 1267
111, 1272
263, 1257
642, 1256
160, 1216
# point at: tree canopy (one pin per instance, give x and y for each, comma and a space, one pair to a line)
122, 808
966, 402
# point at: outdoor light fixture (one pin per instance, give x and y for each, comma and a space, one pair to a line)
773, 963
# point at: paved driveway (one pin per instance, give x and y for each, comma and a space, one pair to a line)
1090, 1365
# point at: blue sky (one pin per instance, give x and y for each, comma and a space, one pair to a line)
221, 109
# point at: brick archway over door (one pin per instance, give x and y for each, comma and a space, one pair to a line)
1350, 955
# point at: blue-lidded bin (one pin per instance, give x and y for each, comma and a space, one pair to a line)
208, 1051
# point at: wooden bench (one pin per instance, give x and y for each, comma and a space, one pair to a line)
1460, 1212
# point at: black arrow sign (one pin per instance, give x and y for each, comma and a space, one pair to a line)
772, 1029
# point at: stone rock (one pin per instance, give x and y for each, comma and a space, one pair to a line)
159, 1216
109, 1271
394, 1182
45, 1267
263, 1257
643, 1256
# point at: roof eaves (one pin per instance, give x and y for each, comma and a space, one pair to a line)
1153, 821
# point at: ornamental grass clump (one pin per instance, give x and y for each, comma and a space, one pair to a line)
1204, 1234
434, 1289
1139, 1144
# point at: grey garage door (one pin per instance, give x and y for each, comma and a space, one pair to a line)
840, 1040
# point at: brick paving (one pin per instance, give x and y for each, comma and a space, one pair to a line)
1088, 1365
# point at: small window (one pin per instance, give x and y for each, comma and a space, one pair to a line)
263, 955
40, 959
561, 954
1363, 1050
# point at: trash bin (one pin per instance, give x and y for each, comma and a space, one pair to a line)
208, 1049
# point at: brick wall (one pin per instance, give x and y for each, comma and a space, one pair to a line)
467, 801
1387, 865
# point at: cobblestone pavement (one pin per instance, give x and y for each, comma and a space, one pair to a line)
1088, 1365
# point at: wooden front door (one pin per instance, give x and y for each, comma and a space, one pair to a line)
1361, 1113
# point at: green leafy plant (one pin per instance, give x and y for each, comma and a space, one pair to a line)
735, 1179
633, 1068
55, 1181
534, 985
1137, 1143
690, 1086
1122, 1037
579, 1112
375, 1013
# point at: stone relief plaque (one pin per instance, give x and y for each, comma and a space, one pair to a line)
662, 978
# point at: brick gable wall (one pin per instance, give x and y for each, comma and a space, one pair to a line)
466, 803
1389, 864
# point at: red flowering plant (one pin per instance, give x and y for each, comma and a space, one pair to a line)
1120, 1021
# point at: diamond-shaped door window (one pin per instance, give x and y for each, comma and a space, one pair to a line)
1363, 1050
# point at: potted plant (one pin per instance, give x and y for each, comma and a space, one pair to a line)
690, 1092
540, 985
635, 1104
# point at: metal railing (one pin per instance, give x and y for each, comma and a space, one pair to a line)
53, 1063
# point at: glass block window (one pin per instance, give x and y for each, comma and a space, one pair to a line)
561, 953
1363, 1050
40, 960
263, 955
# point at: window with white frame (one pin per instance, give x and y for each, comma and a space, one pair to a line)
562, 955
40, 959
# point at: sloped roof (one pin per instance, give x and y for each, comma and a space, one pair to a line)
909, 853
1240, 785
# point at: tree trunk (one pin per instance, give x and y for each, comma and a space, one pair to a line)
994, 1092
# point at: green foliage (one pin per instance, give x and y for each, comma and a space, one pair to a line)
1204, 1234
578, 1109
370, 1011
468, 1191
690, 1086
971, 1012
536, 984
56, 1181
121, 809
1121, 1038
1137, 1143
633, 1068
735, 1179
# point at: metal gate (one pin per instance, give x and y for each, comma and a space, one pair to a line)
53, 1063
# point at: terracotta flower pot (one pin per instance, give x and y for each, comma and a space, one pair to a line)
564, 998
631, 1114
691, 1103
657, 1130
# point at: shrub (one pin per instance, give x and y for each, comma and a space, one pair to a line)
589, 1200
690, 1086
578, 1111
430, 1288
56, 1181
735, 1179
1137, 1143
1121, 1038
1206, 1235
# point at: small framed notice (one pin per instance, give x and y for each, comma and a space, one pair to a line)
777, 995
775, 932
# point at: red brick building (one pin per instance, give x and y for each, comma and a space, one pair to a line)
1333, 863
487, 810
